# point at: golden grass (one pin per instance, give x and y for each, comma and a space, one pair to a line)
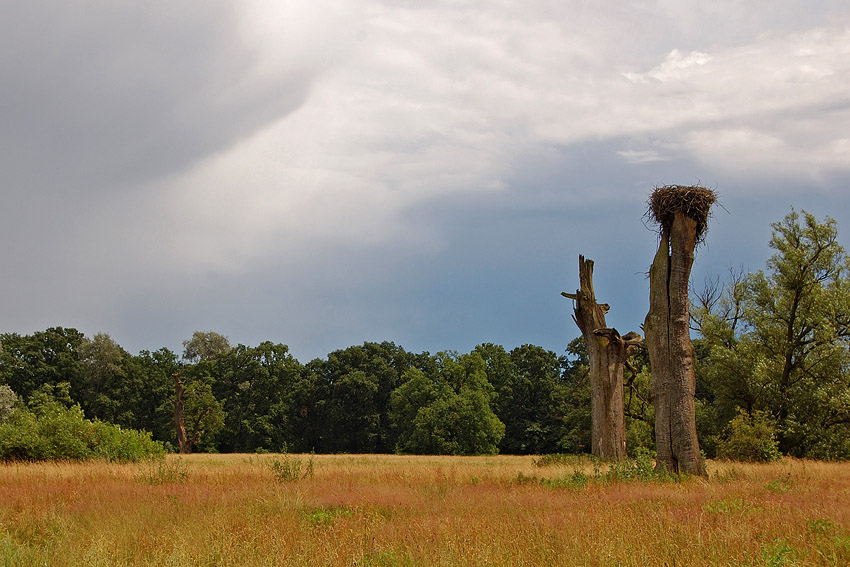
395, 510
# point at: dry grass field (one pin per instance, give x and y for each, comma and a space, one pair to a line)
395, 510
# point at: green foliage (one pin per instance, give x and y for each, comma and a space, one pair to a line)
8, 398
146, 394
708, 423
559, 460
48, 430
290, 468
205, 346
259, 387
159, 470
639, 469
123, 445
135, 392
781, 485
575, 409
354, 411
100, 390
46, 357
642, 468
343, 404
203, 412
749, 438
776, 341
798, 313
448, 412
325, 515
640, 415
530, 397
639, 436
20, 438
780, 553
577, 479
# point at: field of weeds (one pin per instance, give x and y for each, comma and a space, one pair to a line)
380, 510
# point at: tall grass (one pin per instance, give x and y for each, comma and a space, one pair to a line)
412, 511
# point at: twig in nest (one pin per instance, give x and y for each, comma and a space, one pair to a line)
693, 201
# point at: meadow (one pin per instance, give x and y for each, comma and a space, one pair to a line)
386, 510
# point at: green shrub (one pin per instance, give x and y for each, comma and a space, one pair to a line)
289, 468
19, 440
749, 437
323, 516
640, 468
65, 434
51, 431
639, 436
159, 470
124, 445
779, 554
560, 459
577, 479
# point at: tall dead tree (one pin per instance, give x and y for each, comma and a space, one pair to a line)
682, 216
179, 418
607, 352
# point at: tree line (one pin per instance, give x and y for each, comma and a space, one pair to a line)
369, 398
771, 364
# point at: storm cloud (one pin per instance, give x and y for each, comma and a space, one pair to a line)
325, 174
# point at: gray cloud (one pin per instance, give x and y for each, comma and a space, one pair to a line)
105, 96
425, 173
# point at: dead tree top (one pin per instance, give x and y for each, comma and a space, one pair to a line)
694, 201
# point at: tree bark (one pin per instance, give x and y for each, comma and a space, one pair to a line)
607, 352
179, 418
671, 352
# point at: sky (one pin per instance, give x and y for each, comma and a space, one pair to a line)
321, 174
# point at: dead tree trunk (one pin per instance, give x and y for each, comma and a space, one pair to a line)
681, 212
607, 352
179, 418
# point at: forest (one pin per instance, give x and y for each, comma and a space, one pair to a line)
772, 367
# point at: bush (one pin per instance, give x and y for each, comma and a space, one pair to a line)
289, 468
560, 459
641, 468
51, 431
749, 437
18, 438
124, 445
159, 470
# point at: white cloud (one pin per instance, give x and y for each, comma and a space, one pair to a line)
642, 156
677, 67
422, 104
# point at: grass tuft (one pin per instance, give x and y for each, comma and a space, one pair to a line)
290, 468
162, 471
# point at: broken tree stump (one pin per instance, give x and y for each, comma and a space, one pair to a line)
607, 352
682, 215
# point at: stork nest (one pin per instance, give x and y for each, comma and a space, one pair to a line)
694, 201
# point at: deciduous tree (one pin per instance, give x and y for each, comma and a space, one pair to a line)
788, 355
448, 412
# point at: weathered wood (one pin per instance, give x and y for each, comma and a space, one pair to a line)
607, 352
671, 352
